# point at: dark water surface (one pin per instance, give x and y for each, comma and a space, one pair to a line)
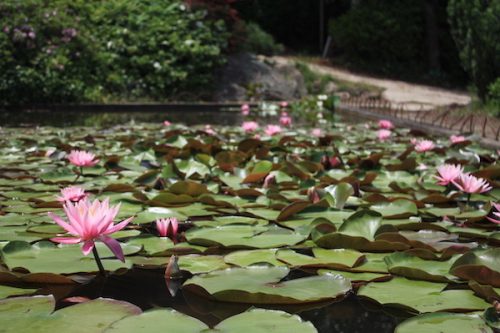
70, 118
147, 289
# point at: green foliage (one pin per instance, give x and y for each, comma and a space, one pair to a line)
475, 27
260, 42
388, 36
73, 51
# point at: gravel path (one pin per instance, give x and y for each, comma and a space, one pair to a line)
395, 91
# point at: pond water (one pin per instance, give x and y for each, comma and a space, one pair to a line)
328, 227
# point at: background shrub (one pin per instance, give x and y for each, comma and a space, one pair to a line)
260, 42
74, 50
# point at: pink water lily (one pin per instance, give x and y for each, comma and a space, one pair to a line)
285, 119
167, 227
284, 104
82, 158
424, 145
209, 130
467, 183
72, 193
89, 222
496, 214
385, 124
457, 138
448, 173
269, 180
249, 126
167, 123
245, 109
383, 134
317, 132
273, 130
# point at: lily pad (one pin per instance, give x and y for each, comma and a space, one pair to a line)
260, 285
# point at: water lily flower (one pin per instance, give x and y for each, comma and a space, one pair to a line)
209, 130
285, 119
284, 104
316, 132
89, 222
249, 126
72, 193
313, 195
167, 227
82, 158
385, 124
245, 109
383, 134
496, 214
457, 138
330, 162
469, 184
269, 180
424, 145
167, 123
448, 173
273, 130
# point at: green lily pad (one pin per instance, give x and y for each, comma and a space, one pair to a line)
482, 266
45, 257
444, 322
35, 314
260, 285
421, 296
253, 257
244, 236
251, 321
337, 258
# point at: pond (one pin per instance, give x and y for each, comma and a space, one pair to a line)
328, 227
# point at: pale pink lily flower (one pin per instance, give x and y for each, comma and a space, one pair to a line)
269, 180
256, 136
496, 214
72, 193
209, 130
422, 167
250, 126
272, 130
167, 123
413, 141
383, 134
313, 195
469, 184
82, 158
49, 152
167, 227
284, 104
89, 222
245, 109
448, 173
329, 162
317, 132
285, 119
424, 145
457, 138
385, 124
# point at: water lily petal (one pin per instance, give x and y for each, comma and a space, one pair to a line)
114, 246
87, 247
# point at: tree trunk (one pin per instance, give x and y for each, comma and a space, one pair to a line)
432, 35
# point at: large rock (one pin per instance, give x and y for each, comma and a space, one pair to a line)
250, 77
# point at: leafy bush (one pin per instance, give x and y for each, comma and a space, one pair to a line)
73, 51
260, 42
475, 28
386, 37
